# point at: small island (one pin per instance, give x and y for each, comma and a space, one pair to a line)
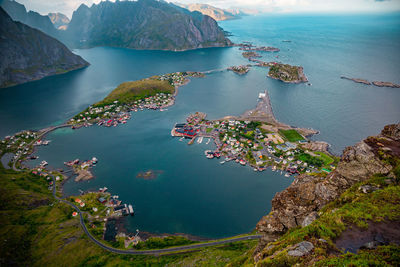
242, 69
287, 73
386, 84
250, 55
356, 80
376, 83
155, 93
247, 46
148, 175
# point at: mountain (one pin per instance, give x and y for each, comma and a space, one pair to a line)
33, 19
59, 20
142, 24
28, 54
243, 11
214, 12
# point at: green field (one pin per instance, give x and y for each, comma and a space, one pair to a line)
128, 92
291, 135
326, 158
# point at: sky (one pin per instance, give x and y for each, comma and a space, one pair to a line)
278, 6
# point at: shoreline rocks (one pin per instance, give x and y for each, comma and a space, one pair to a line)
298, 204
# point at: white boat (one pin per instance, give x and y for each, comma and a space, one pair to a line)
181, 139
208, 141
200, 140
222, 162
287, 175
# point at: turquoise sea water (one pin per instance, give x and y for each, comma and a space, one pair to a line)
192, 194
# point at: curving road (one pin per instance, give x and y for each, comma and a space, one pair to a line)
132, 252
146, 252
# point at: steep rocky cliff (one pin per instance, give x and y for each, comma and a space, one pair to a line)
300, 203
143, 24
33, 19
28, 54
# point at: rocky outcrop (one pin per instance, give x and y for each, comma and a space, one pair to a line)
59, 20
299, 203
143, 24
33, 19
28, 54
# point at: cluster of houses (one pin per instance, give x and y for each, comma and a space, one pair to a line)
18, 143
158, 101
247, 142
108, 115
178, 78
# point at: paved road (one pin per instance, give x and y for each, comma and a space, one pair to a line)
132, 252
147, 252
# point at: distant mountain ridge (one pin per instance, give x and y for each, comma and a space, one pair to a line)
28, 54
59, 20
33, 19
214, 12
142, 24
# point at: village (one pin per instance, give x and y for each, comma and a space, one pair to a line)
119, 112
252, 143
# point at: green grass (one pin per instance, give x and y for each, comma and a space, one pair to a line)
159, 242
128, 92
291, 135
326, 158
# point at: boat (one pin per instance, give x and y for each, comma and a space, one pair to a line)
181, 139
208, 141
222, 162
242, 162
103, 189
287, 174
94, 160
200, 140
44, 163
255, 169
72, 162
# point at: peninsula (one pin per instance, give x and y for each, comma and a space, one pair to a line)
257, 139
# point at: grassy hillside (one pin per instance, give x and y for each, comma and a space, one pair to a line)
128, 92
37, 230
